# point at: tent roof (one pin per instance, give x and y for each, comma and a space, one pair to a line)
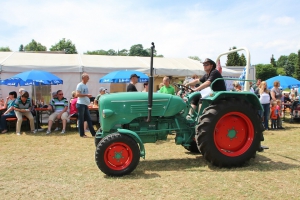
19, 62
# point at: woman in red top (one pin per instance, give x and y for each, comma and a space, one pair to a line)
74, 111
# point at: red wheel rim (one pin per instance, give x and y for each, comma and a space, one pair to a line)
118, 156
233, 134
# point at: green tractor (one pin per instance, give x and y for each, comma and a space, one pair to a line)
227, 130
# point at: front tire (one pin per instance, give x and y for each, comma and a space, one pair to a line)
229, 133
117, 154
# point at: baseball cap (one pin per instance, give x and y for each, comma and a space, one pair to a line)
102, 89
134, 75
210, 61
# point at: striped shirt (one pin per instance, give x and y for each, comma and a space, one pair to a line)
59, 105
19, 104
9, 105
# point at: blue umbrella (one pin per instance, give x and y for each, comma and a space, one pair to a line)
123, 77
285, 82
33, 77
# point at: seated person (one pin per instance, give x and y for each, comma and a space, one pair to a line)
296, 107
237, 86
60, 105
10, 100
286, 100
22, 107
102, 91
74, 111
211, 74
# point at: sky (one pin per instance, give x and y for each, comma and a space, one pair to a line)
178, 28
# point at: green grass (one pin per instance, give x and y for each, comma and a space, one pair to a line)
63, 167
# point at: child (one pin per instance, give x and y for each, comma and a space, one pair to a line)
279, 110
274, 113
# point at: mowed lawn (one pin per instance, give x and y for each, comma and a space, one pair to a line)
63, 167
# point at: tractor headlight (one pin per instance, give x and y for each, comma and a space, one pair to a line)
107, 113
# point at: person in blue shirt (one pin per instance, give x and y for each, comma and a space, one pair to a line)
10, 100
82, 92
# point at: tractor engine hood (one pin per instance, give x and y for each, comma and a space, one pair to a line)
123, 107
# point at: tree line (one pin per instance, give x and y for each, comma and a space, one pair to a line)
68, 47
285, 65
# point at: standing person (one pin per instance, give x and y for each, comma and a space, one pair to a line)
159, 87
82, 93
279, 110
167, 88
74, 111
276, 94
264, 98
22, 107
274, 111
60, 105
211, 74
10, 100
146, 87
133, 80
256, 86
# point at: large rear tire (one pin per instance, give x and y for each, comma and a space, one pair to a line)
117, 154
193, 148
229, 133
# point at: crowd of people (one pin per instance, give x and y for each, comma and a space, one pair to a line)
61, 109
273, 101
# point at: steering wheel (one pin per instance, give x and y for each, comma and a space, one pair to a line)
182, 87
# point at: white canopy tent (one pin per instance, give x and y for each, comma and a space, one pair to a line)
69, 67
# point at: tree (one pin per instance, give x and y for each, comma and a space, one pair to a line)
21, 48
123, 52
289, 68
111, 52
97, 52
280, 71
138, 50
297, 70
293, 59
64, 45
35, 46
265, 71
243, 60
281, 61
5, 49
273, 61
194, 58
233, 59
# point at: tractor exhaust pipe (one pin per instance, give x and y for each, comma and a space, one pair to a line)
150, 91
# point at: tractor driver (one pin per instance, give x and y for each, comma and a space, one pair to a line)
211, 74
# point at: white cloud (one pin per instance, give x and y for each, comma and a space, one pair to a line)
191, 31
284, 20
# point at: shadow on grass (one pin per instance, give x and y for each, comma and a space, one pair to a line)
147, 168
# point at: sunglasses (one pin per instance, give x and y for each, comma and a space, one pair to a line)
206, 64
60, 94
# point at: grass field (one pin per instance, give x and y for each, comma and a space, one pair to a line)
63, 167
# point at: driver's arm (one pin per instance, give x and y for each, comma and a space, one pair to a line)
194, 82
203, 85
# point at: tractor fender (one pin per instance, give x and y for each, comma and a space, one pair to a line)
247, 96
136, 138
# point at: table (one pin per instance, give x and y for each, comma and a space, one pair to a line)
94, 108
38, 116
